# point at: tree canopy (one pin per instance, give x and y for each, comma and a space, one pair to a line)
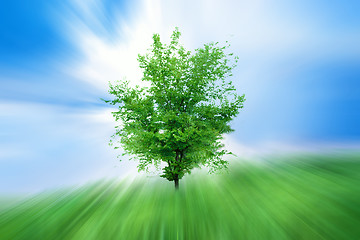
182, 114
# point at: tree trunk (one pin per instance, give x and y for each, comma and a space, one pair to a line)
176, 181
176, 176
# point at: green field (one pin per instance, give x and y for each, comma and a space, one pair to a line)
293, 197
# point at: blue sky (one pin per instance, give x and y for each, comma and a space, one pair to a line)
299, 68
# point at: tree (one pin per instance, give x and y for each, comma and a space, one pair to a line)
179, 119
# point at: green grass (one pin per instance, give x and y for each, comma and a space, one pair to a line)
297, 197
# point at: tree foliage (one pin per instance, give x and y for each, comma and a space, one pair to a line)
181, 117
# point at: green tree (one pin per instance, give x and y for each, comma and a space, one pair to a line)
181, 116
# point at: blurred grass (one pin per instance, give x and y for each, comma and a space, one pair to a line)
293, 197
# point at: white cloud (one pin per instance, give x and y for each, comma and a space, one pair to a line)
103, 60
261, 33
48, 145
255, 31
239, 149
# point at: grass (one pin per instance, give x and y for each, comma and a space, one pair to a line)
297, 197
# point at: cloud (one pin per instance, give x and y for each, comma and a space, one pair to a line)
103, 60
46, 145
267, 30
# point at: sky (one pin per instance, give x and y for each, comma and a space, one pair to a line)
299, 67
